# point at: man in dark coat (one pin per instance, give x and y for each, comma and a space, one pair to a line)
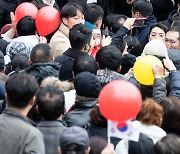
80, 37
41, 61
140, 10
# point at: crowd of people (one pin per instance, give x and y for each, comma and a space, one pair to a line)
49, 85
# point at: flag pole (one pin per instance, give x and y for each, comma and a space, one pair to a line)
109, 139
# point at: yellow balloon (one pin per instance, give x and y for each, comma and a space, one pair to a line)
143, 69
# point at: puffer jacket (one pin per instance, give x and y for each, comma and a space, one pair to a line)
43, 70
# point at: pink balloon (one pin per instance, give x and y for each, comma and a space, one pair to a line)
47, 20
25, 9
120, 101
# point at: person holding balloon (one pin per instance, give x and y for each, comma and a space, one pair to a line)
47, 15
142, 75
71, 14
27, 39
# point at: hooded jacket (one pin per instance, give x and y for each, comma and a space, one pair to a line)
43, 70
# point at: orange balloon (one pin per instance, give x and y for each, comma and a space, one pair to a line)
25, 9
120, 101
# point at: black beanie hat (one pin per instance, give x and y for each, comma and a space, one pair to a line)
87, 84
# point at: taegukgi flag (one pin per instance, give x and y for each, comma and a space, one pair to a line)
123, 130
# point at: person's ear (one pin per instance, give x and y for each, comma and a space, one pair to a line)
119, 69
31, 103
53, 59
86, 48
65, 110
64, 21
30, 61
88, 149
59, 150
137, 15
98, 24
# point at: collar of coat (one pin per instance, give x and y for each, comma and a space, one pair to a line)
64, 29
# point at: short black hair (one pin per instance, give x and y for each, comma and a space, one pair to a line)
112, 22
168, 144
93, 13
83, 64
26, 26
82, 3
109, 57
144, 7
70, 10
175, 29
19, 62
131, 41
41, 53
20, 89
80, 35
50, 101
159, 25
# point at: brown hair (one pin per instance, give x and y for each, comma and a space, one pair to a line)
151, 113
171, 117
97, 118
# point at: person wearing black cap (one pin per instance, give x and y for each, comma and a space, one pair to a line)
87, 88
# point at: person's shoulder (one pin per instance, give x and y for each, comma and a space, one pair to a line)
33, 131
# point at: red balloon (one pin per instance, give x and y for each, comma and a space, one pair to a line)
47, 20
120, 101
25, 9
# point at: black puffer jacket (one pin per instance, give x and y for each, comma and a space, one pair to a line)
43, 70
7, 6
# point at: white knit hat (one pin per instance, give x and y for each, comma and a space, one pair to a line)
156, 48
